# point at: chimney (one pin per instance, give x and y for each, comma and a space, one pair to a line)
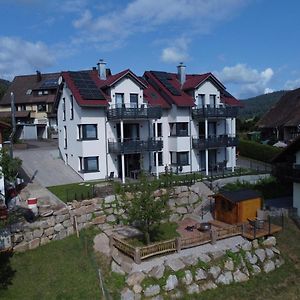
102, 69
181, 73
38, 76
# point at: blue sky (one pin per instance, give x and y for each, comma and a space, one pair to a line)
252, 46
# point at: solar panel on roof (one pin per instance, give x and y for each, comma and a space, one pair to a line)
86, 86
164, 78
52, 82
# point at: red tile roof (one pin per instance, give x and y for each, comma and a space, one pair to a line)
111, 80
75, 91
194, 80
181, 100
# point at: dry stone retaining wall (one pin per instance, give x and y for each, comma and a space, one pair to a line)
193, 275
101, 212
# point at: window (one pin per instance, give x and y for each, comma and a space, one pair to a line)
134, 100
64, 109
41, 107
45, 92
180, 158
179, 129
40, 93
71, 108
212, 100
159, 130
65, 138
201, 100
28, 92
119, 100
22, 107
89, 164
160, 159
87, 132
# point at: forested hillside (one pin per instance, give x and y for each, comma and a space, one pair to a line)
259, 105
3, 86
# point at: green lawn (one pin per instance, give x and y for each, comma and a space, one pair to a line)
163, 232
62, 269
67, 269
73, 191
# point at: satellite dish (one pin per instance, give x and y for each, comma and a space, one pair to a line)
60, 80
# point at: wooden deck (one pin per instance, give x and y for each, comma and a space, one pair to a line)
250, 233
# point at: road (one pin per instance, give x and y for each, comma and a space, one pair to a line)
41, 162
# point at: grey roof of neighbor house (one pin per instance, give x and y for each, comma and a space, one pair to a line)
21, 84
239, 196
285, 113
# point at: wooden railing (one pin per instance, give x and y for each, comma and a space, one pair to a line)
177, 244
158, 248
195, 241
123, 246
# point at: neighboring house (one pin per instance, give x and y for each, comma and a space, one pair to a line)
119, 124
287, 168
283, 120
3, 126
34, 97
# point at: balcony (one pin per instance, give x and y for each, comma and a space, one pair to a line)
286, 171
133, 113
199, 113
129, 146
201, 143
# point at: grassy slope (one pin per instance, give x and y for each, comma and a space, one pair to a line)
63, 270
59, 270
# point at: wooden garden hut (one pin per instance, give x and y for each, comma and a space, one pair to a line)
235, 207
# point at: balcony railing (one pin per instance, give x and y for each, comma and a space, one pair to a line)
290, 172
129, 146
214, 142
214, 112
142, 112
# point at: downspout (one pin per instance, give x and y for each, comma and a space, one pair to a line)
106, 145
13, 121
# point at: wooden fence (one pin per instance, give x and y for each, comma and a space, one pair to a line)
173, 245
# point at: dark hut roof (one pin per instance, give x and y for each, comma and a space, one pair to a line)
285, 113
238, 196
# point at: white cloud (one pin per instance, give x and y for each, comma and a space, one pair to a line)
292, 84
268, 91
251, 81
140, 16
18, 56
177, 52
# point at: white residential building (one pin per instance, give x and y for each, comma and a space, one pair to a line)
121, 124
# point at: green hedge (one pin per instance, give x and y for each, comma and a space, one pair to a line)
257, 151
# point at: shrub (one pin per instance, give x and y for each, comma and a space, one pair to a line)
257, 151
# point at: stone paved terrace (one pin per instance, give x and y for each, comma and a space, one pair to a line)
221, 245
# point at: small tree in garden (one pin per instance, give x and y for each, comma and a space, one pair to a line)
144, 210
9, 167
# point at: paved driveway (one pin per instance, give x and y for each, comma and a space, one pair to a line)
42, 163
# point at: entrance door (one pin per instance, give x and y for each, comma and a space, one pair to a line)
202, 160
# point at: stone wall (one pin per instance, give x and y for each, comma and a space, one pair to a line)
196, 273
100, 212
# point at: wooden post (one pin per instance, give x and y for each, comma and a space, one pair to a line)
137, 256
213, 236
76, 226
178, 244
